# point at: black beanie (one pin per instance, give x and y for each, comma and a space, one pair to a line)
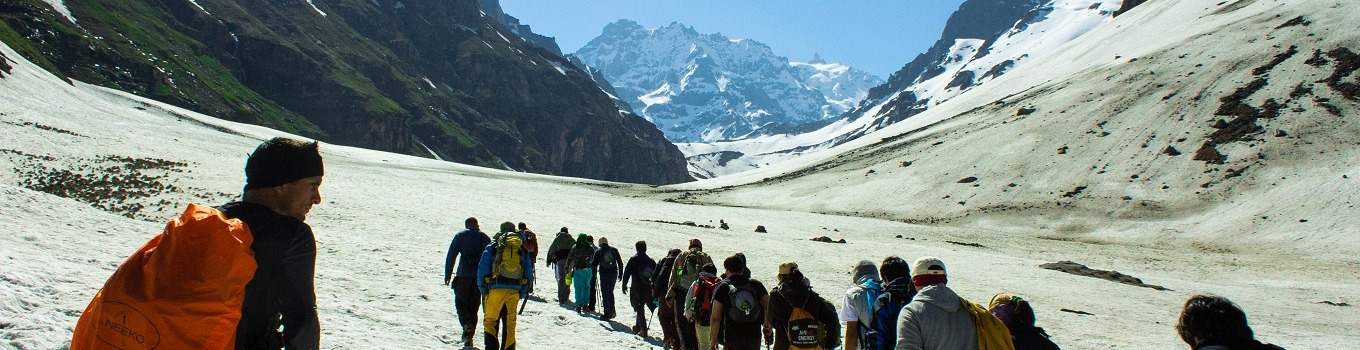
280, 161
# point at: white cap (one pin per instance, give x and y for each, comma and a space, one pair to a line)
927, 265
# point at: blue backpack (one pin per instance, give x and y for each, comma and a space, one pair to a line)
882, 334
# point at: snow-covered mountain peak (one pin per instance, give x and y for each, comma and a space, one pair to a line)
708, 87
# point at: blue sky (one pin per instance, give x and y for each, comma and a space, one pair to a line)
878, 36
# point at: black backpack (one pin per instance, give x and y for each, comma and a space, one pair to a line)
743, 305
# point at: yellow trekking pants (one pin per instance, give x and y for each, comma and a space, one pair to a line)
497, 300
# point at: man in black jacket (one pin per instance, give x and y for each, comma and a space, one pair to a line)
640, 268
794, 291
283, 177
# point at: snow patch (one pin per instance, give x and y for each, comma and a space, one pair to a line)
317, 9
60, 6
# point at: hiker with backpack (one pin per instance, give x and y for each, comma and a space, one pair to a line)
580, 275
739, 308
1018, 316
1211, 322
259, 253
880, 331
594, 276
665, 311
640, 269
699, 304
938, 319
504, 275
530, 241
801, 318
558, 252
607, 265
684, 273
857, 310
466, 247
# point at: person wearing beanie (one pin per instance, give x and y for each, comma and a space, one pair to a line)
1018, 316
794, 290
857, 310
466, 247
935, 319
1211, 322
580, 260
607, 264
283, 180
558, 252
640, 269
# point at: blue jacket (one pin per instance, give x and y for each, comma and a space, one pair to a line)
469, 244
484, 270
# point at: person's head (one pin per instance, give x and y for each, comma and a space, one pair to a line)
695, 244
789, 274
1212, 317
604, 241
285, 175
471, 224
674, 252
864, 270
1012, 310
893, 268
927, 271
564, 230
641, 247
590, 239
507, 227
710, 269
734, 265
582, 238
523, 227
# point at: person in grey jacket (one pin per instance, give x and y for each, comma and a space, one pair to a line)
935, 318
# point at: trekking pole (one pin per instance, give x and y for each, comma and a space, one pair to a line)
525, 302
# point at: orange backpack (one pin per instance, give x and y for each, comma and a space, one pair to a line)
183, 289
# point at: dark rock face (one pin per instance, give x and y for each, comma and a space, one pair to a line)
423, 77
1128, 5
973, 19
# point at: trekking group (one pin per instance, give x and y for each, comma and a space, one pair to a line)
261, 290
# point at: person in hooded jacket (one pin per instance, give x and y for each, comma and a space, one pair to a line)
857, 310
1211, 322
640, 269
935, 318
795, 291
1018, 316
665, 312
607, 265
558, 252
581, 273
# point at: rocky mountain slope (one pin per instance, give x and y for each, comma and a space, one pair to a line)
708, 87
981, 41
1223, 125
432, 78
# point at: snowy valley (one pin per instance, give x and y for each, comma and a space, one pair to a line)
1202, 146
